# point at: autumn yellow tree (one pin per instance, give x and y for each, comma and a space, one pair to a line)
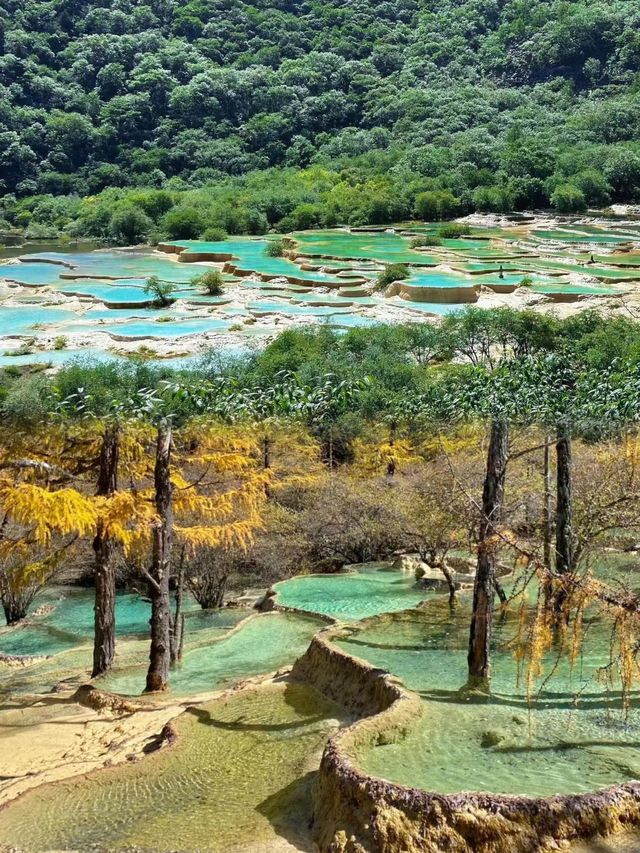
208, 491
42, 515
59, 488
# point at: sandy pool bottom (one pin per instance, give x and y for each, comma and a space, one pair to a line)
238, 779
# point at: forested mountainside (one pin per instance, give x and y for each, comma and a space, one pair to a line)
501, 103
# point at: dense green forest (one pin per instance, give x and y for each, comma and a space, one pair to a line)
298, 113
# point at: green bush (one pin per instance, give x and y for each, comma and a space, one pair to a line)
183, 223
424, 242
567, 198
161, 291
454, 230
214, 235
129, 225
391, 273
276, 248
440, 204
211, 282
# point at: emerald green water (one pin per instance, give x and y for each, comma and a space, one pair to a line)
387, 247
73, 615
238, 776
573, 738
113, 264
354, 595
251, 254
114, 280
263, 645
596, 236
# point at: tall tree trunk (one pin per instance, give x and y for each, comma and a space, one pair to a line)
15, 608
564, 511
546, 507
266, 461
177, 626
160, 651
478, 657
564, 503
104, 638
391, 465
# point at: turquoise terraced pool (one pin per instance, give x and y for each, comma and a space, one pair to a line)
328, 277
572, 737
353, 595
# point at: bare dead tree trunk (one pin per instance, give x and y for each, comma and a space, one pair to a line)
502, 595
478, 657
546, 508
450, 584
160, 651
564, 511
564, 503
104, 639
178, 618
16, 605
266, 461
391, 465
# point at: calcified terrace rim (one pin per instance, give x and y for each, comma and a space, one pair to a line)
464, 293
354, 812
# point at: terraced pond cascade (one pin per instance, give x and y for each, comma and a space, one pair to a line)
219, 647
571, 730
573, 736
322, 277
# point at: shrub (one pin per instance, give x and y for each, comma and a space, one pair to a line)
60, 342
183, 223
275, 248
567, 198
211, 282
422, 242
28, 400
214, 235
453, 230
129, 224
391, 273
439, 204
160, 290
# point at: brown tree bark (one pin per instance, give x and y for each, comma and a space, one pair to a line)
564, 503
564, 514
391, 465
546, 508
15, 607
266, 460
478, 657
104, 640
160, 651
177, 626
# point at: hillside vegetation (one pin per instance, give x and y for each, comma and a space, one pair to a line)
300, 112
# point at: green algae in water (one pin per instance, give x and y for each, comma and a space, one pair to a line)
73, 617
574, 738
263, 645
353, 595
238, 775
387, 247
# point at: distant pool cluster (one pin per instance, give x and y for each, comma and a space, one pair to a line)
58, 303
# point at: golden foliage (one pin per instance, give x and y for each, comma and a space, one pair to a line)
379, 457
46, 512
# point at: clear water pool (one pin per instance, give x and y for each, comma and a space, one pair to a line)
354, 595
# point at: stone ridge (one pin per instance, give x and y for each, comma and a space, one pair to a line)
357, 813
